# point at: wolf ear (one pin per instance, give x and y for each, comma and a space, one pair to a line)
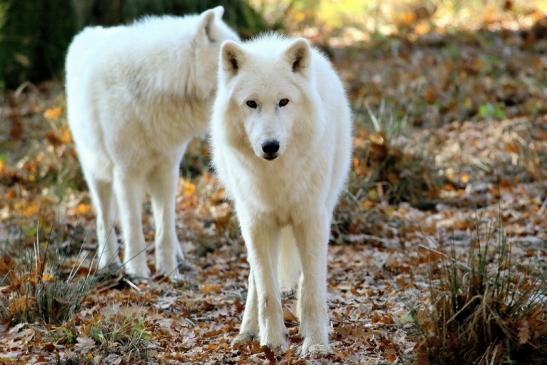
219, 11
206, 20
298, 56
232, 56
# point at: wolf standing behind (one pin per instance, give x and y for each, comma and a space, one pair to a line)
281, 136
136, 96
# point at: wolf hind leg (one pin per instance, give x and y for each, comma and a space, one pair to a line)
162, 186
102, 196
128, 188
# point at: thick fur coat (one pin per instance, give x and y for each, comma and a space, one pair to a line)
136, 95
281, 141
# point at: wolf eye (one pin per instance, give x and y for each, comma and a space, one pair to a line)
283, 102
251, 104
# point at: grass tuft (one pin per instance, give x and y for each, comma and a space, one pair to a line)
35, 286
488, 311
121, 330
383, 170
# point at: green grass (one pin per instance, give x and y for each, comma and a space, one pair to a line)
122, 330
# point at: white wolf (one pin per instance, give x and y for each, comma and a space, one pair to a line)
281, 137
136, 96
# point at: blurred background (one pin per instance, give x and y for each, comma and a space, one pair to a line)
449, 99
34, 34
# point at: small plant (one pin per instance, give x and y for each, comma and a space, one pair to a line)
121, 330
492, 111
487, 311
383, 170
35, 287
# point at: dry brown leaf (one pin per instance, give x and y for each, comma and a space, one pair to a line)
524, 332
211, 288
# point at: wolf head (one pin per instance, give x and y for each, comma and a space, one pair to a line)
265, 82
211, 32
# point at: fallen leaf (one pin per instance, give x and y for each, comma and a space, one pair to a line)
83, 209
30, 210
53, 114
64, 135
524, 332
211, 288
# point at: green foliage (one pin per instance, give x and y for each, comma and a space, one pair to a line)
237, 13
65, 335
34, 35
492, 111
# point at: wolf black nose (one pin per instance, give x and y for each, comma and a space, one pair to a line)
270, 147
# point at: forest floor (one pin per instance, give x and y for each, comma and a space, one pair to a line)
450, 138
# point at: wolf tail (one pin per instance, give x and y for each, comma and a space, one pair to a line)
288, 264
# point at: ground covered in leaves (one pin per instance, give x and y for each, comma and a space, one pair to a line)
450, 136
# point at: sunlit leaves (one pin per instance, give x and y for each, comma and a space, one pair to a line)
52, 114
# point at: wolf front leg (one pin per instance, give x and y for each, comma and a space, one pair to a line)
262, 241
162, 186
312, 236
128, 188
249, 324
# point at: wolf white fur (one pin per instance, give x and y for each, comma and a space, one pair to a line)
136, 95
281, 138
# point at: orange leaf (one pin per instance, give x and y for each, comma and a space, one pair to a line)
188, 188
31, 210
83, 209
22, 305
512, 147
211, 288
64, 135
53, 114
11, 194
47, 277
407, 18
422, 28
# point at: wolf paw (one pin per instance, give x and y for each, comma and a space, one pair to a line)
244, 338
111, 267
137, 272
277, 350
278, 345
168, 262
315, 350
109, 263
